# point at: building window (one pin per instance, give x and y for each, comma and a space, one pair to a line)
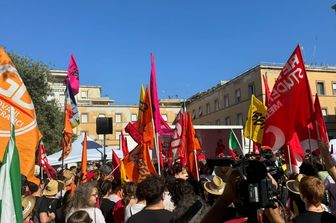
84, 118
118, 133
84, 94
226, 101
165, 117
218, 122
134, 117
207, 108
200, 111
227, 121
320, 88
251, 89
117, 117
216, 104
193, 114
239, 119
237, 96
334, 88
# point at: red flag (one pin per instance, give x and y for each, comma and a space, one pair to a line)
84, 160
178, 143
267, 91
73, 75
138, 164
124, 146
132, 129
43, 162
161, 126
322, 129
294, 154
193, 149
290, 106
116, 165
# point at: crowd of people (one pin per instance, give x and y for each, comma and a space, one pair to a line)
176, 197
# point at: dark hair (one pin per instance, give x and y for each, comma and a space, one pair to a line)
182, 190
129, 192
79, 217
139, 193
177, 168
116, 185
33, 187
154, 185
105, 187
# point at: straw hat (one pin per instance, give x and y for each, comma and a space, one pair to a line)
293, 185
68, 175
28, 204
51, 188
215, 186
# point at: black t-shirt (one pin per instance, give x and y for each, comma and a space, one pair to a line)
151, 216
48, 204
315, 217
106, 208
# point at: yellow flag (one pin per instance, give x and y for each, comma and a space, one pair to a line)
254, 126
141, 105
123, 173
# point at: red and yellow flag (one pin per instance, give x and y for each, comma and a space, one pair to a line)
147, 125
13, 92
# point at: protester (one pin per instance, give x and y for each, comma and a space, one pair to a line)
85, 198
312, 194
154, 212
28, 204
49, 203
106, 205
132, 209
79, 217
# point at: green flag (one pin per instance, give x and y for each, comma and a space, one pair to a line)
233, 142
10, 182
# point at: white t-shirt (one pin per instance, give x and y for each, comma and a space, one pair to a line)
95, 214
133, 209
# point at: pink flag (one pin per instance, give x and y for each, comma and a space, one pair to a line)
73, 75
290, 105
267, 91
161, 126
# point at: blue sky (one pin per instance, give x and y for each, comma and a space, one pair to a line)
196, 43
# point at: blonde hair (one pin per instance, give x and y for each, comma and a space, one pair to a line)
312, 190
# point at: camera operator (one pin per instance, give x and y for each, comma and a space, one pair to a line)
312, 194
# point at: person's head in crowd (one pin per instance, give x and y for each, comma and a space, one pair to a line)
311, 190
23, 185
68, 177
155, 186
73, 169
179, 171
129, 192
105, 170
85, 196
307, 168
140, 191
105, 188
116, 187
213, 189
96, 175
182, 190
79, 217
28, 204
52, 188
34, 188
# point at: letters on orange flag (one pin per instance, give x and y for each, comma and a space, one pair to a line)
147, 126
13, 92
138, 164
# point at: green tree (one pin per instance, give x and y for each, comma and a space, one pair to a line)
36, 76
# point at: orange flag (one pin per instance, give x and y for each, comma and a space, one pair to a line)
13, 92
138, 164
84, 160
193, 146
147, 126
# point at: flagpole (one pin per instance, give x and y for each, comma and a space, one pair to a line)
196, 163
309, 143
289, 158
251, 135
65, 103
156, 140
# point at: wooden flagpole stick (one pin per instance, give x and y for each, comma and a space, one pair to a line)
196, 163
289, 159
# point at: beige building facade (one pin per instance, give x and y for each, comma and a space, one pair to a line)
229, 101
